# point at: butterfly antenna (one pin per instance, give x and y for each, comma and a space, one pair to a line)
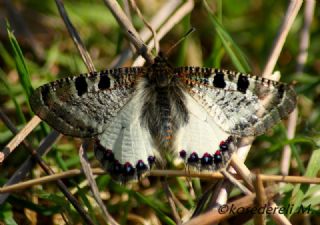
192, 29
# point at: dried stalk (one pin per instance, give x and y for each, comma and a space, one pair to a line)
262, 200
145, 34
172, 21
309, 7
286, 153
287, 23
157, 173
19, 137
129, 30
93, 185
75, 37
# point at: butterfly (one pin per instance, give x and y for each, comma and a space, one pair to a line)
138, 115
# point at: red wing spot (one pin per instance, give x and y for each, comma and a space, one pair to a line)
193, 158
128, 169
141, 166
206, 159
183, 154
217, 157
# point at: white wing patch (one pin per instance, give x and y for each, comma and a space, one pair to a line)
129, 143
201, 138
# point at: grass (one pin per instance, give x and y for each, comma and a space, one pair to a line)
217, 42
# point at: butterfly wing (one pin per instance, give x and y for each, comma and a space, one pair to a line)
126, 148
82, 106
201, 142
242, 105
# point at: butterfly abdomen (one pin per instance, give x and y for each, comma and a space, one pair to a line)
166, 124
163, 112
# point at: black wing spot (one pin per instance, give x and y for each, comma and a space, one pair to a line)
219, 80
104, 82
243, 84
81, 85
281, 91
45, 93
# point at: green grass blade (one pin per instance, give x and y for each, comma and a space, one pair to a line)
237, 56
19, 112
6, 214
299, 192
20, 63
7, 59
144, 200
183, 186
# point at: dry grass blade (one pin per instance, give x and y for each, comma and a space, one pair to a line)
242, 171
154, 34
305, 34
279, 41
172, 21
286, 153
75, 37
301, 60
163, 14
11, 146
89, 175
129, 30
47, 179
235, 182
262, 200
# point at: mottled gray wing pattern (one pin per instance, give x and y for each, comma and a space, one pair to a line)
241, 104
81, 106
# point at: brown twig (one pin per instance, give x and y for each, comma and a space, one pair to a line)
26, 167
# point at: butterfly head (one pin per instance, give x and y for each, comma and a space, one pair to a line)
161, 72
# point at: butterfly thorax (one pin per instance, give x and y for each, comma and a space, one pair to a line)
160, 73
164, 110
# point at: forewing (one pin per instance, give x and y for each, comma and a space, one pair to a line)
241, 104
84, 105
